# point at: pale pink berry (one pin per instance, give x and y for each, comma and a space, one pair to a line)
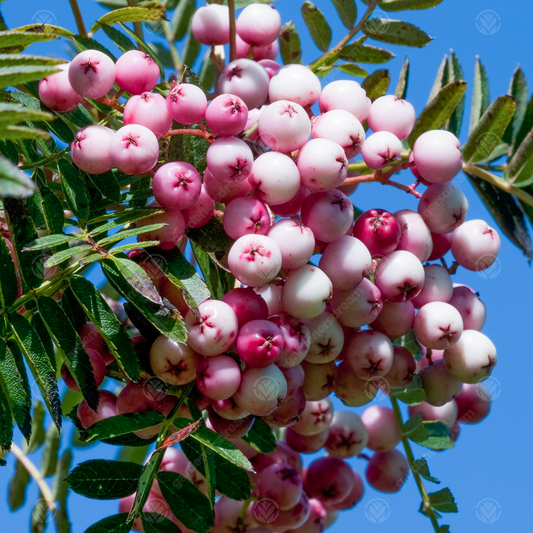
284, 126
56, 92
229, 159
107, 407
218, 377
438, 325
134, 149
329, 214
437, 156
230, 429
225, 192
247, 305
169, 235
383, 431
353, 498
387, 471
327, 338
347, 435
214, 329
271, 293
200, 213
291, 519
91, 149
176, 185
389, 113
395, 319
294, 205
378, 230
137, 72
149, 110
440, 387
227, 115
443, 207
296, 340
268, 63
229, 410
258, 24
265, 53
92, 74
306, 443
438, 286
246, 79
294, 375
475, 245
472, 309
295, 83
186, 103
173, 362
245, 216
210, 25
380, 149
275, 178
315, 418
296, 242
415, 236
369, 354
347, 95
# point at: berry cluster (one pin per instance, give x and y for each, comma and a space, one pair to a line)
298, 330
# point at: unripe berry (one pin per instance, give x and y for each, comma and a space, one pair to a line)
226, 115
443, 207
402, 369
296, 340
258, 24
56, 92
107, 407
439, 386
329, 479
415, 236
229, 159
389, 113
383, 431
318, 381
245, 216
247, 305
387, 471
381, 149
186, 103
475, 245
254, 259
134, 149
296, 242
473, 403
347, 95
295, 83
92, 74
169, 235
259, 343
148, 110
218, 377
472, 309
173, 362
438, 286
306, 291
200, 213
369, 354
176, 185
91, 149
378, 230
327, 338
348, 435
137, 72
437, 156
210, 25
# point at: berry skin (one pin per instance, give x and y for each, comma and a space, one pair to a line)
258, 25
176, 186
415, 235
316, 521
200, 213
473, 403
148, 110
315, 418
246, 79
355, 496
247, 305
254, 259
293, 206
389, 113
107, 407
134, 149
343, 128
381, 149
290, 519
245, 216
56, 92
395, 319
264, 55
327, 338
280, 483
296, 340
284, 126
438, 325
446, 413
91, 149
296, 242
348, 435
225, 192
383, 431
275, 178
346, 262
229, 159
378, 230
98, 369
215, 328
322, 164
169, 235
218, 377
295, 83
187, 103
352, 390
369, 354
229, 410
271, 293
329, 480
472, 309
472, 358
442, 244
306, 292
402, 369
210, 25
230, 429
137, 72
92, 74
437, 156
347, 95
294, 376
443, 207
475, 245
439, 386
227, 115
329, 214
259, 343
387, 471
438, 286
173, 362
306, 443
318, 380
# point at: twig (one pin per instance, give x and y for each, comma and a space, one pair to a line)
137, 26
77, 15
189, 131
232, 37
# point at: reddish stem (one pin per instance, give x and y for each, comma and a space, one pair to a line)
189, 131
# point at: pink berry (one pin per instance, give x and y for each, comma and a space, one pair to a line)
369, 354
149, 110
296, 340
271, 293
327, 338
381, 149
443, 207
442, 244
229, 159
438, 325
259, 343
173, 362
318, 381
91, 149
329, 480
93, 340
306, 443
315, 418
415, 236
134, 149
186, 103
438, 286
290, 519
228, 409
389, 113
294, 205
395, 319
473, 403
230, 429
56, 92
137, 72
383, 431
355, 496
437, 156
254, 259
378, 230
199, 213
247, 79
402, 369
247, 305
264, 55
210, 25
348, 435
92, 74
446, 413
214, 330
244, 216
440, 387
98, 369
258, 24
225, 192
218, 377
226, 115
294, 376
280, 483
347, 95
176, 186
296, 242
169, 235
295, 83
107, 407
472, 309
316, 521
387, 471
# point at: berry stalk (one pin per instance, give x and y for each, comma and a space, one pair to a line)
77, 15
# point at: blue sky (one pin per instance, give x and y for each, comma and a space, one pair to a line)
490, 460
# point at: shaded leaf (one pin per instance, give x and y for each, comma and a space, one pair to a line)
441, 79
443, 501
395, 32
376, 84
413, 394
422, 468
157, 523
361, 53
480, 97
403, 5
108, 185
261, 437
115, 426
8, 279
17, 486
518, 90
37, 428
138, 279
118, 38
52, 442
290, 46
129, 14
347, 10
403, 80
182, 16
317, 25
455, 73
48, 241
75, 189
13, 182
112, 524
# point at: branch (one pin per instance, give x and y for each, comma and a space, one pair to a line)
232, 37
35, 473
77, 15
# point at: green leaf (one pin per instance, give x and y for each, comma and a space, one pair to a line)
38, 433
118, 38
421, 467
79, 116
39, 28
9, 60
138, 279
376, 84
191, 50
86, 43
126, 233
13, 182
212, 239
506, 213
39, 515
347, 10
120, 218
403, 5
21, 478
403, 80
16, 388
71, 348
526, 125
480, 98
105, 480
455, 73
290, 46
317, 25
212, 273
191, 149
519, 170
52, 442
113, 4
440, 79
133, 246
108, 185
145, 481
6, 423
11, 113
489, 132
434, 435
31, 346
117, 523
187, 503
439, 110
116, 426
181, 19
395, 32
129, 14
10, 76
413, 394
518, 90
157, 523
351, 69
443, 501
52, 210
163, 54
360, 53
60, 490
261, 437
108, 325
48, 241
75, 189
8, 279
9, 39
58, 258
